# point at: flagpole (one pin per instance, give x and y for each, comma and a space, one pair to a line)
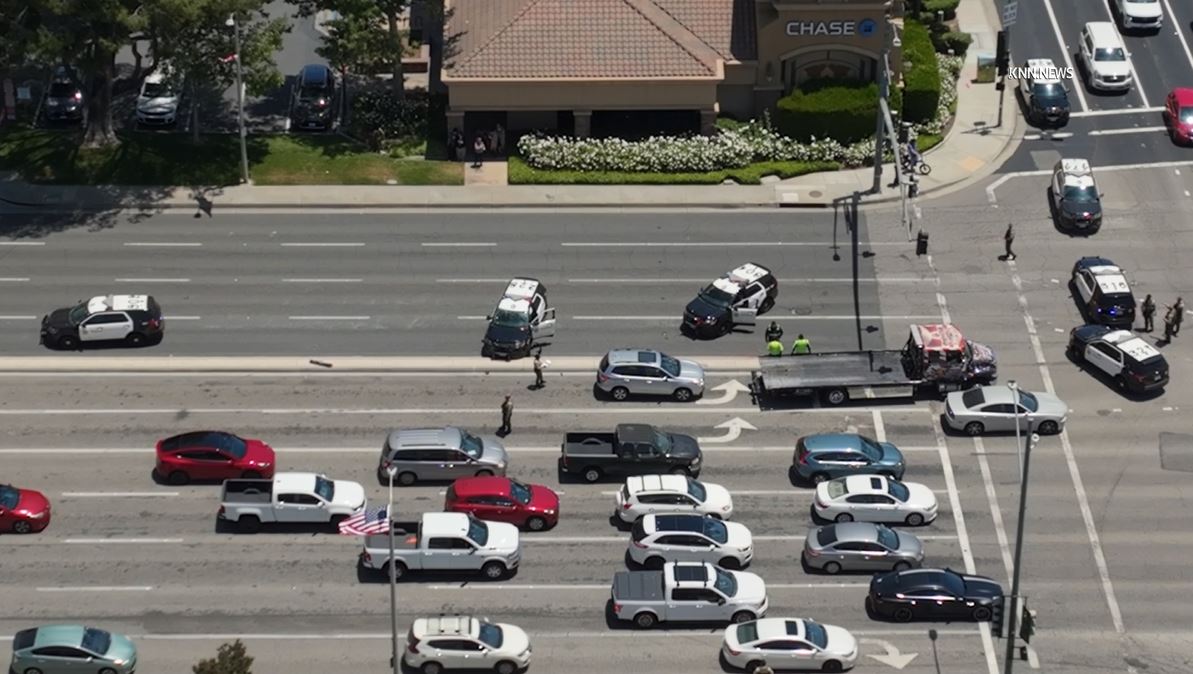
393, 580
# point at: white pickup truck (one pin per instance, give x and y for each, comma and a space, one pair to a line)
289, 498
688, 592
447, 542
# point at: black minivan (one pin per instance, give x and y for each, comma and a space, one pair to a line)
313, 99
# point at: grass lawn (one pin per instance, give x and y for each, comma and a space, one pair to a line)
54, 157
927, 141
521, 173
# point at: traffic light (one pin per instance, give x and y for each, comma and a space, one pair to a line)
1002, 55
996, 617
1027, 625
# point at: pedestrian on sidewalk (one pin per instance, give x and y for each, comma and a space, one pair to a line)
1149, 313
455, 140
1178, 315
774, 333
538, 370
492, 142
500, 139
507, 416
478, 151
1009, 240
801, 346
459, 147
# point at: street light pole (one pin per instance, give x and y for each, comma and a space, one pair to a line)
393, 579
244, 151
1014, 386
1011, 613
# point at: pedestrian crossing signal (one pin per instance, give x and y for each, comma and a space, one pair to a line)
1027, 625
997, 618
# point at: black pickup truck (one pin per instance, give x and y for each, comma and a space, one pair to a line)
631, 449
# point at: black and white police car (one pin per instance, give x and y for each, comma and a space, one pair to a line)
1044, 94
736, 298
1075, 197
1127, 358
134, 319
1104, 292
520, 322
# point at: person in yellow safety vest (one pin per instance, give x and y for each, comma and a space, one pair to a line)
801, 346
774, 347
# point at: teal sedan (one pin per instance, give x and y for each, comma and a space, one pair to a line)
72, 649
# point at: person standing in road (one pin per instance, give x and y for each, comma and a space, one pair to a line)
774, 333
1178, 315
801, 346
1149, 313
774, 347
1168, 326
538, 370
1009, 240
478, 151
507, 416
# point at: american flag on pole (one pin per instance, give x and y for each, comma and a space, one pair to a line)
367, 523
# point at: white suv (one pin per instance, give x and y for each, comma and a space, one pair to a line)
1142, 14
658, 539
1105, 57
648, 494
436, 645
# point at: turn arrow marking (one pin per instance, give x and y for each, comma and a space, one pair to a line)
892, 656
733, 427
730, 388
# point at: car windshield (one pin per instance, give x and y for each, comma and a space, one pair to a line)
62, 89
471, 445
716, 530
478, 532
1087, 194
1185, 115
726, 584
510, 319
953, 583
157, 90
836, 489
716, 297
78, 313
662, 441
228, 443
815, 633
1110, 54
870, 449
888, 539
313, 92
670, 365
1029, 401
697, 490
96, 641
490, 635
1048, 92
324, 488
9, 497
520, 492
898, 490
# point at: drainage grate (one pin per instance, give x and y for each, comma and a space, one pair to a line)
1176, 452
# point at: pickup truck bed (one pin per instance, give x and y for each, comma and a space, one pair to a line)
403, 540
638, 586
589, 443
248, 492
824, 370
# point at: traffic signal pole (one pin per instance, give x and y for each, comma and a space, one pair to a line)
1014, 609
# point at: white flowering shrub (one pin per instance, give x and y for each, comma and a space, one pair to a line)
756, 141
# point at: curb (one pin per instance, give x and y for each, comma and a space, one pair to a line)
326, 366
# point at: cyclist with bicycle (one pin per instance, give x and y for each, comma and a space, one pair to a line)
911, 157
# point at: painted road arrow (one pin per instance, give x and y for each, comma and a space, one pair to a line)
892, 656
733, 427
730, 390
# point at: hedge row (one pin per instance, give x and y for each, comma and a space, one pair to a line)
843, 111
949, 7
921, 75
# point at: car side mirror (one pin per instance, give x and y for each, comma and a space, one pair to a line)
721, 601
472, 551
1101, 194
488, 318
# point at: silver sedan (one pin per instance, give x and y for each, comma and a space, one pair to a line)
984, 409
861, 546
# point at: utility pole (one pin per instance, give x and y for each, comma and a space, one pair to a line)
1012, 619
244, 150
884, 92
1002, 56
851, 219
393, 578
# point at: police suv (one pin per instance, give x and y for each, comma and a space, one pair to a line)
1044, 95
521, 320
1075, 197
1131, 362
135, 319
1105, 295
736, 298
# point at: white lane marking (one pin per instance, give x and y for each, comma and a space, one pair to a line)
879, 426
1091, 530
330, 318
17, 318
474, 244
509, 587
117, 494
98, 588
776, 318
22, 243
786, 449
1179, 33
712, 244
162, 244
653, 281
1000, 531
153, 280
472, 280
1060, 135
802, 493
551, 540
472, 318
1064, 50
588, 411
322, 280
14, 279
990, 189
119, 541
616, 634
323, 245
1107, 113
182, 318
1121, 132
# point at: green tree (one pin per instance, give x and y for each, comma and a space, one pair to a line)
230, 659
365, 37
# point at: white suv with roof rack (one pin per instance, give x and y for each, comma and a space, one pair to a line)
663, 494
450, 643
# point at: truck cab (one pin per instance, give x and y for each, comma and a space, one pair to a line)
942, 355
688, 592
737, 298
521, 320
448, 542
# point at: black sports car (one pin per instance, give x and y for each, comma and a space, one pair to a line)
932, 594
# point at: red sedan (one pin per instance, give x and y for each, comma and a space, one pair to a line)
212, 455
500, 499
1178, 115
23, 511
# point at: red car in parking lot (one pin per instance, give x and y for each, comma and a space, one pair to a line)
1178, 115
500, 499
23, 511
212, 455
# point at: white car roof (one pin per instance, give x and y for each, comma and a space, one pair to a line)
691, 574
863, 484
747, 274
726, 285
779, 628
117, 303
445, 524
653, 483
521, 289
1112, 283
1076, 167
454, 625
1131, 344
516, 306
294, 483
1042, 66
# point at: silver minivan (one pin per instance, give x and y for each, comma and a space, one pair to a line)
439, 454
626, 372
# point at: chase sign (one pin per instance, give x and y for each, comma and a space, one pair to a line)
863, 28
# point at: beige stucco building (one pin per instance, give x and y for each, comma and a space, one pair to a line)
603, 67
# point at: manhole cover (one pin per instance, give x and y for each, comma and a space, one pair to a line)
1176, 452
816, 194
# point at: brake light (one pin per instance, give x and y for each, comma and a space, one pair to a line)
819, 504
626, 506
412, 644
386, 464
732, 652
221, 512
155, 323
812, 553
616, 607
803, 458
78, 95
640, 546
602, 377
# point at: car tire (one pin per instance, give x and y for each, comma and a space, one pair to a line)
406, 479
619, 393
1075, 353
982, 614
31, 670
536, 524
107, 670
831, 568
1048, 428
1120, 382
742, 617
336, 520
836, 396
399, 570
902, 615
68, 342
753, 665
832, 666
249, 524
493, 570
975, 428
179, 478
901, 566
731, 563
817, 478
654, 563
506, 667
767, 305
135, 339
21, 527
682, 395
591, 474
843, 517
645, 620
250, 475
680, 470
431, 667
914, 520
484, 473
